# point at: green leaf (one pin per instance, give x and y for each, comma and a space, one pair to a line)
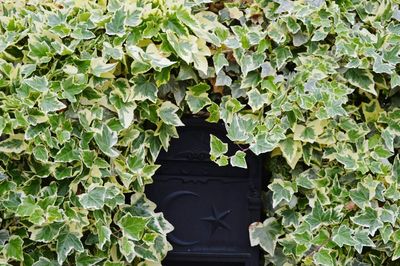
13, 144
318, 216
144, 90
256, 99
101, 69
67, 242
93, 199
324, 257
265, 234
239, 159
219, 61
218, 148
291, 150
197, 97
396, 252
360, 196
362, 239
282, 55
343, 236
84, 259
117, 24
27, 206
127, 248
50, 103
362, 79
39, 84
167, 113
46, 233
67, 154
14, 248
235, 130
368, 218
104, 234
82, 33
40, 153
39, 51
282, 190
105, 140
133, 226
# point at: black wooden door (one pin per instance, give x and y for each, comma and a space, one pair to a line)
210, 207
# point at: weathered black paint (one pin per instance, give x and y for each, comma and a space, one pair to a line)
210, 207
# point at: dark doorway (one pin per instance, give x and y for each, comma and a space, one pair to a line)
210, 207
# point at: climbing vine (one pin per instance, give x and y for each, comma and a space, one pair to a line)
91, 91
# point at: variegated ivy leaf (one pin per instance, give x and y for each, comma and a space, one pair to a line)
256, 99
144, 89
236, 132
103, 234
265, 234
67, 242
360, 196
219, 61
13, 249
396, 170
362, 79
36, 83
50, 103
368, 218
363, 240
133, 226
197, 97
110, 51
292, 151
106, 139
40, 153
116, 26
343, 236
101, 69
83, 259
167, 113
217, 147
94, 198
46, 233
324, 257
127, 248
239, 159
14, 144
318, 216
281, 191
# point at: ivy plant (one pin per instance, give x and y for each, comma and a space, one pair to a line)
91, 91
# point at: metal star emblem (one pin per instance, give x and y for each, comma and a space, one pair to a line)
216, 219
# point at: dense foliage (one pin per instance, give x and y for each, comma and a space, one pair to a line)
91, 91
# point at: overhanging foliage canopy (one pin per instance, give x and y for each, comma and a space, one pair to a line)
91, 91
